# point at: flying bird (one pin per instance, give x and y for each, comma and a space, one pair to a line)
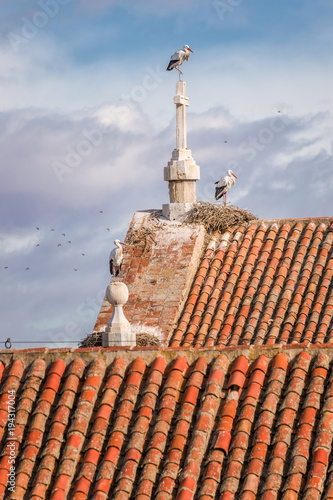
116, 258
27, 268
51, 229
178, 58
37, 228
75, 269
223, 186
59, 245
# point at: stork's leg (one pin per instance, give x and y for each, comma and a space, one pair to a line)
225, 199
180, 73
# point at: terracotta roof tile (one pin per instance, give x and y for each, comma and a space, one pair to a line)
226, 422
266, 284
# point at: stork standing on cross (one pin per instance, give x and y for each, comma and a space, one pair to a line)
178, 58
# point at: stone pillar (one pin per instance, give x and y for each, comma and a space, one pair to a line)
182, 171
181, 101
118, 331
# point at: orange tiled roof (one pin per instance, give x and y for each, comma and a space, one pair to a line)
162, 424
230, 410
268, 283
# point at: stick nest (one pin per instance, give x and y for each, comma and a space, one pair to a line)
217, 217
140, 237
142, 340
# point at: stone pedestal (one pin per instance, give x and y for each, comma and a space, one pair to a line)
118, 331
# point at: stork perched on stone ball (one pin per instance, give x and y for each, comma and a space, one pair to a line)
178, 58
223, 186
116, 258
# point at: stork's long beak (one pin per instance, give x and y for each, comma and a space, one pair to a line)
235, 176
125, 244
190, 50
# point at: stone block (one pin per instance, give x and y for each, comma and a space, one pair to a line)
120, 338
176, 211
182, 192
181, 154
182, 170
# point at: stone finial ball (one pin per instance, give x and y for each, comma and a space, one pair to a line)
117, 293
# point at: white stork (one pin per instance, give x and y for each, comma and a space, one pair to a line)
223, 186
116, 258
178, 58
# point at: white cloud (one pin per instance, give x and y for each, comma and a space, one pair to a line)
73, 160
17, 243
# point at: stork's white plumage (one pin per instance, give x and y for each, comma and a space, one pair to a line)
116, 258
223, 186
178, 58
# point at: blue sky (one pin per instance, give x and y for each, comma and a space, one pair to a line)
87, 125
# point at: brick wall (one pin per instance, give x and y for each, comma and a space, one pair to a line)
158, 271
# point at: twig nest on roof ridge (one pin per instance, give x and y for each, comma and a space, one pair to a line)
216, 217
117, 293
140, 237
145, 339
142, 339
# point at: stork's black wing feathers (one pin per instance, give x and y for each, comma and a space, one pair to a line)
220, 188
172, 63
111, 267
219, 192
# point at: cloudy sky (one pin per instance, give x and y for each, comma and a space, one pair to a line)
87, 123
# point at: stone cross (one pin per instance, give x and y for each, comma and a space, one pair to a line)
182, 172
